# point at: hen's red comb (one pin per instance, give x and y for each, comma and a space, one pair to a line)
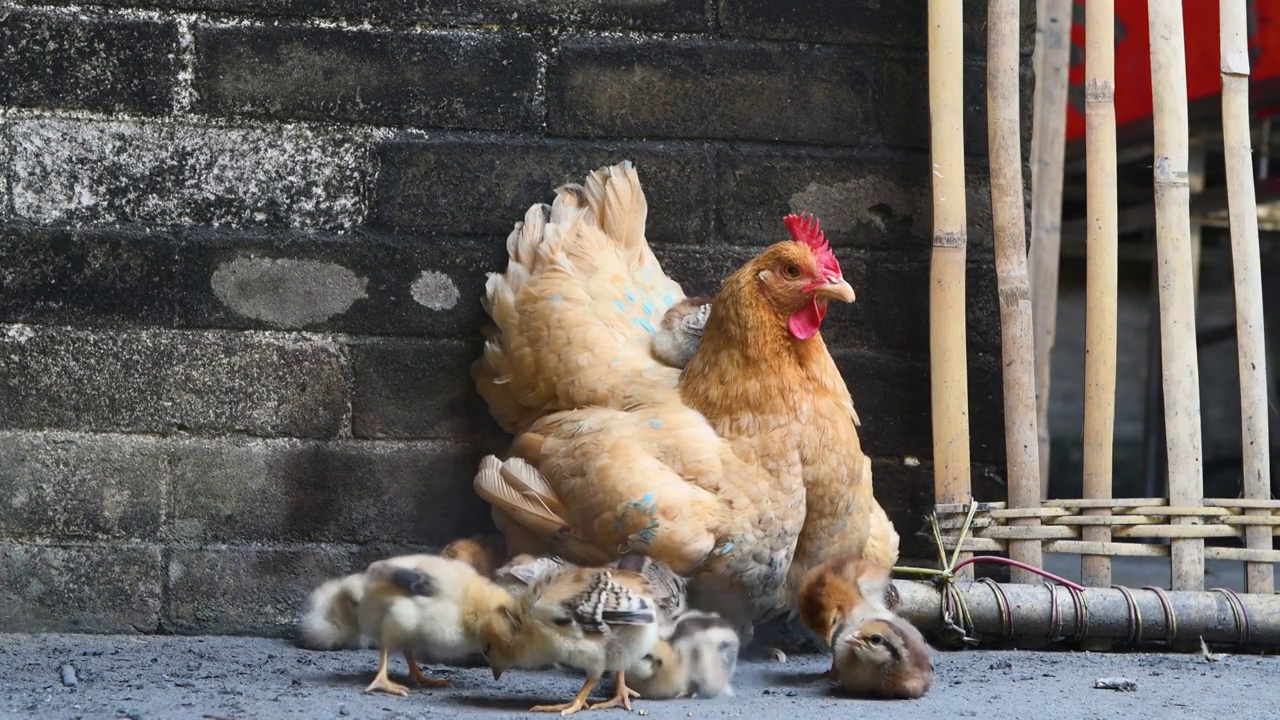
804, 229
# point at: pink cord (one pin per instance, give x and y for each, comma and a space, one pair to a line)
1023, 566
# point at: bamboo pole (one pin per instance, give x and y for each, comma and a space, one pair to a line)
1008, 224
948, 360
1101, 276
1048, 143
1250, 338
1179, 365
1032, 608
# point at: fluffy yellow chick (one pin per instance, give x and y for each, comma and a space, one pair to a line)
699, 659
883, 658
844, 589
330, 621
592, 619
415, 601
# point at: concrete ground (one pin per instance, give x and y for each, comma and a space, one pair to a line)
218, 678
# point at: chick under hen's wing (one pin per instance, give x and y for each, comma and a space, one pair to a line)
576, 308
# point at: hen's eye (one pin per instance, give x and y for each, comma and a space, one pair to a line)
877, 639
561, 621
791, 271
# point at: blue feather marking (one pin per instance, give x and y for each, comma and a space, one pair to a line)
644, 323
620, 306
554, 298
645, 506
726, 548
628, 293
648, 309
654, 423
668, 299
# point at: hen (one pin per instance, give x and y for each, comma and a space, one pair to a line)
739, 471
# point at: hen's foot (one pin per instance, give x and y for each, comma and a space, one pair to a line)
421, 678
621, 695
579, 701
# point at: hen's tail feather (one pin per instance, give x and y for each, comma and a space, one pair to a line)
517, 490
331, 622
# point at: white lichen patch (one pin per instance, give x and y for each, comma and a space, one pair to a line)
172, 174
287, 293
434, 290
18, 333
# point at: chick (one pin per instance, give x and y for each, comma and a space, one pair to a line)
667, 588
699, 659
591, 619
330, 621
482, 552
883, 658
842, 589
415, 601
680, 331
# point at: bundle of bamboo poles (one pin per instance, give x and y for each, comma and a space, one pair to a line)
1095, 526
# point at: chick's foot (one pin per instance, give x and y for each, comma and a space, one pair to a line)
382, 683
420, 678
579, 701
621, 695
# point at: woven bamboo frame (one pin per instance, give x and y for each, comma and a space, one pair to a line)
1100, 527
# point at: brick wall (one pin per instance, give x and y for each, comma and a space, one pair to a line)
242, 244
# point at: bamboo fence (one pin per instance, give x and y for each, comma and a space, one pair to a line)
1097, 527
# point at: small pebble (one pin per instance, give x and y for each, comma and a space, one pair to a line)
69, 676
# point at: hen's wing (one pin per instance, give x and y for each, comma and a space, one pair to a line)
575, 311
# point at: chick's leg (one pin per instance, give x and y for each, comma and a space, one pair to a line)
382, 682
579, 701
621, 695
416, 673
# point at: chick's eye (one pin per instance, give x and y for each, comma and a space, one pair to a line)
791, 271
877, 639
562, 621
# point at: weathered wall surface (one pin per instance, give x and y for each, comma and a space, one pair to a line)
242, 244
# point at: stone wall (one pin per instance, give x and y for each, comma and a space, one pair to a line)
242, 244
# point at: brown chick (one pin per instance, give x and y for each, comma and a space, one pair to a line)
680, 331
592, 619
883, 658
842, 588
698, 660
414, 601
485, 553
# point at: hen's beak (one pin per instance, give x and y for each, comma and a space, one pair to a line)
835, 289
497, 674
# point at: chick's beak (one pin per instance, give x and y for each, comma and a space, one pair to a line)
835, 289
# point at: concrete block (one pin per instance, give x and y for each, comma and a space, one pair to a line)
360, 492
87, 277
687, 88
63, 487
484, 187
441, 79
106, 64
109, 589
366, 283
74, 172
415, 389
168, 381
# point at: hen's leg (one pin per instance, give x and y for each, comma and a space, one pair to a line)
416, 673
579, 701
621, 695
384, 684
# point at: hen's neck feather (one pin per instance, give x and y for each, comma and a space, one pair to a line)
746, 339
